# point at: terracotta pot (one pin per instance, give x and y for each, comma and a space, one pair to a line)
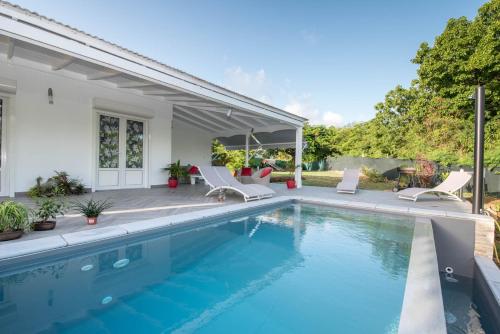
91, 220
44, 226
172, 183
290, 184
4, 236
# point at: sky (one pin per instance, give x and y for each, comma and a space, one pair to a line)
330, 61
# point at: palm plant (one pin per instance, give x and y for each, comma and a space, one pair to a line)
92, 209
176, 170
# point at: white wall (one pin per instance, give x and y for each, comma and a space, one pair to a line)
191, 145
45, 137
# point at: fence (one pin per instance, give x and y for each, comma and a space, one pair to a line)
388, 167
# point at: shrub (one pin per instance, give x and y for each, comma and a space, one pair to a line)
58, 185
426, 170
496, 207
48, 208
13, 217
372, 174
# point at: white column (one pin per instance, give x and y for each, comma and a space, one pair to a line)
247, 148
298, 157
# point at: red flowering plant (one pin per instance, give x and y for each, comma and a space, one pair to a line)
426, 170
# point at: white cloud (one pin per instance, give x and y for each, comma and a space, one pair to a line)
303, 106
255, 85
331, 118
310, 37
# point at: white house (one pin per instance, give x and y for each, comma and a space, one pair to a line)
114, 118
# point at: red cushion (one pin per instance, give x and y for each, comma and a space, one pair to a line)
266, 171
193, 170
246, 171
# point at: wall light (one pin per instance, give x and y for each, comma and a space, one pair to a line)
51, 96
229, 113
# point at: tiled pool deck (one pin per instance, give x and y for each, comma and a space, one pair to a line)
141, 204
142, 209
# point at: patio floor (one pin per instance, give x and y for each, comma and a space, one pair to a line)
140, 204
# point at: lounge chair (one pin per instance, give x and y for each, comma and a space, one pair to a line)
220, 180
453, 183
350, 181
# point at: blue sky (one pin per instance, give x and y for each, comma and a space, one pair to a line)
330, 61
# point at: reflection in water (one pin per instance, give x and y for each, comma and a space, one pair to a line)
328, 266
461, 313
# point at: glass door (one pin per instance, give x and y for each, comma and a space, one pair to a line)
121, 152
134, 150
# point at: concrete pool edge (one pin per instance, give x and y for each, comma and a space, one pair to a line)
423, 310
23, 248
487, 287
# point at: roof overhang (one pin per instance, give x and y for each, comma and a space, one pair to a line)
198, 103
276, 139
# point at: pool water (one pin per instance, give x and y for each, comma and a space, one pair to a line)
294, 269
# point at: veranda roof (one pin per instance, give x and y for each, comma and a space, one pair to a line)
276, 139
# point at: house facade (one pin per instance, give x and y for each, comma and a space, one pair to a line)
111, 117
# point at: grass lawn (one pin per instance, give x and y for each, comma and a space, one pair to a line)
330, 179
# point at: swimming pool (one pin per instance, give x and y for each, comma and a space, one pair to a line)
295, 268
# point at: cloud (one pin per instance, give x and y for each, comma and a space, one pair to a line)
255, 85
310, 37
258, 86
303, 106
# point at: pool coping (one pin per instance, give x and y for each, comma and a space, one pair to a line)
423, 310
24, 248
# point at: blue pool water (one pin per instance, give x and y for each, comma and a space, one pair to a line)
293, 269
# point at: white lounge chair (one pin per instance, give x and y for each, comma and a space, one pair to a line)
350, 181
220, 179
453, 183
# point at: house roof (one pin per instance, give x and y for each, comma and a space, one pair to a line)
42, 22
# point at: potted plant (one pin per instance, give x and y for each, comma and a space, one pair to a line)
290, 183
14, 220
176, 172
44, 217
92, 209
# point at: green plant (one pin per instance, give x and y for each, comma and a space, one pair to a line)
176, 170
291, 167
58, 185
443, 175
92, 208
496, 207
13, 217
372, 174
48, 208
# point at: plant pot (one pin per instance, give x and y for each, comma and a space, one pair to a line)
172, 183
290, 184
91, 220
11, 235
44, 226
